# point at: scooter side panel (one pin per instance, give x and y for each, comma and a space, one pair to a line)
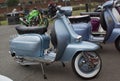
73, 48
115, 34
28, 45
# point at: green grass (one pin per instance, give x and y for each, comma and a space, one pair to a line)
4, 22
77, 12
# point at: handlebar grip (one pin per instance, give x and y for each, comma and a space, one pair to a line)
60, 10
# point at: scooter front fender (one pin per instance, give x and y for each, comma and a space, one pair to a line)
73, 48
115, 34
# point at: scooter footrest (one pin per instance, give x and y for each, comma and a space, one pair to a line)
50, 56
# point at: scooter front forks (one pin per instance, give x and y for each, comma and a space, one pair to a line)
92, 60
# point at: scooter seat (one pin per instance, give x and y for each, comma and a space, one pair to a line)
78, 19
91, 14
26, 30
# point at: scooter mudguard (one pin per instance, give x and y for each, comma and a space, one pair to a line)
73, 48
31, 45
115, 34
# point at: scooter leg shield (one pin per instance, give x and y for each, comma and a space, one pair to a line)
72, 49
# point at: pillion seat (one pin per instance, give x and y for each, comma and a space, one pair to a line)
26, 30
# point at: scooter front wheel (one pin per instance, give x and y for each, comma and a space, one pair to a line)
87, 65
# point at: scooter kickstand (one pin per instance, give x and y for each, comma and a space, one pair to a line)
63, 64
43, 72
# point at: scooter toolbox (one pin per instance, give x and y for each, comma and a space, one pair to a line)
29, 45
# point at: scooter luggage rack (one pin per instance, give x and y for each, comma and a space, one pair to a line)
96, 39
100, 32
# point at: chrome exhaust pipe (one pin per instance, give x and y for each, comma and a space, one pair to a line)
12, 53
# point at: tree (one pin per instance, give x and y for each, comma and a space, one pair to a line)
12, 2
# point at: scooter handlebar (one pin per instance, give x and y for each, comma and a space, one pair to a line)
60, 11
53, 17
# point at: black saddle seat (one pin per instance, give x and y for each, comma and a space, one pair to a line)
26, 30
91, 14
78, 19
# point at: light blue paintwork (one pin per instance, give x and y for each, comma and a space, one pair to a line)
68, 42
72, 49
29, 45
113, 26
108, 4
113, 29
114, 35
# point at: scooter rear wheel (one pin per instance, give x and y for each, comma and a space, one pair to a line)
87, 65
117, 43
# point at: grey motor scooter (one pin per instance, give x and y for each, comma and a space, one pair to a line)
32, 46
110, 21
